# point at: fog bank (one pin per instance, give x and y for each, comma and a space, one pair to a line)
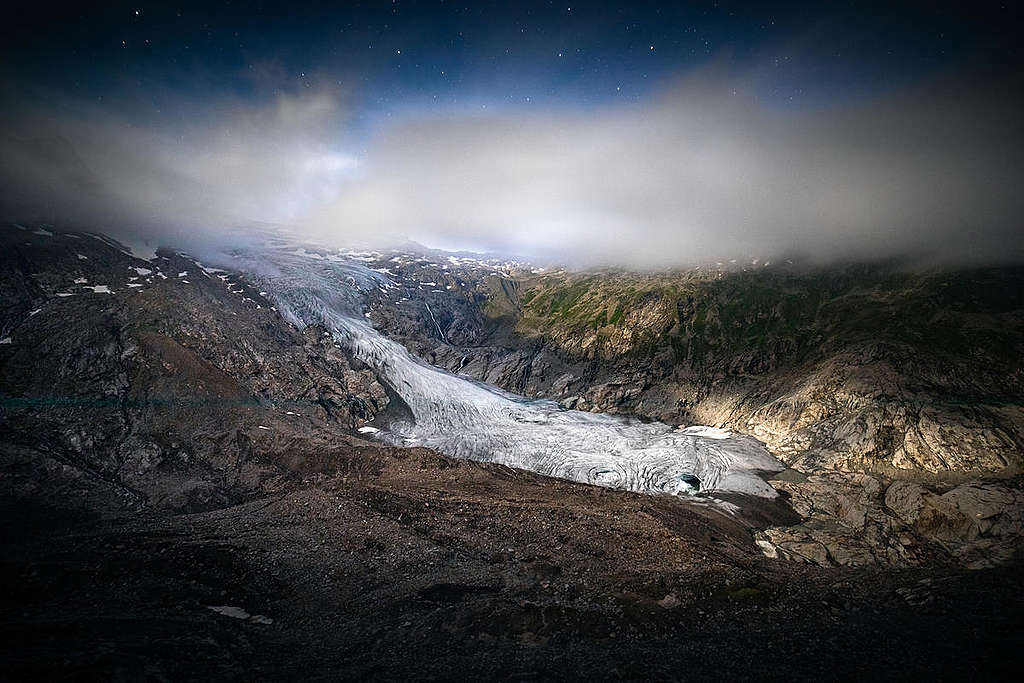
705, 170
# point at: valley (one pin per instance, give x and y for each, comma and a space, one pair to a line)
193, 448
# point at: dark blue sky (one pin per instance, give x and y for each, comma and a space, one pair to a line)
443, 56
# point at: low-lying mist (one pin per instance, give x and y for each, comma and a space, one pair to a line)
704, 170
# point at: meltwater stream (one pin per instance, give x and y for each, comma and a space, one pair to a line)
463, 418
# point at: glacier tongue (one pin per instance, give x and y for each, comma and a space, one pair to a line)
471, 420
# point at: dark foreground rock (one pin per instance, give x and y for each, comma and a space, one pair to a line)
413, 567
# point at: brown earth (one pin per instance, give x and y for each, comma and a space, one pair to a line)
403, 564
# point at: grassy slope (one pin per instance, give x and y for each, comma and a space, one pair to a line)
966, 318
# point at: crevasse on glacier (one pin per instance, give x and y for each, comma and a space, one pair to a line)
463, 418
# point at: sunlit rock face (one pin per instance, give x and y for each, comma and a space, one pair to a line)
468, 419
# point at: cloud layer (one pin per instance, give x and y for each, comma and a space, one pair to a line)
704, 171
196, 173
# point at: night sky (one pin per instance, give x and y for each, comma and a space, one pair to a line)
450, 56
395, 73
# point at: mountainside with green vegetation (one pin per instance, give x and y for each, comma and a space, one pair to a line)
965, 315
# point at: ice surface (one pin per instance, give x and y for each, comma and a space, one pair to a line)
707, 432
467, 419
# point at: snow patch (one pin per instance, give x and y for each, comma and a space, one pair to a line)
140, 251
368, 430
706, 432
239, 613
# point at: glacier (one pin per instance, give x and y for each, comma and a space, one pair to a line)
465, 418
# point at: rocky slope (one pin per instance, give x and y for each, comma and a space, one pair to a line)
158, 380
